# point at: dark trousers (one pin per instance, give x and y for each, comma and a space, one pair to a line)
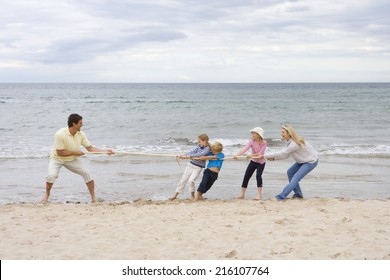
249, 172
209, 177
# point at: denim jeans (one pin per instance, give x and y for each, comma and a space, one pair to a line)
295, 174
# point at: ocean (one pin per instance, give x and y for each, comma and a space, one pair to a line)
348, 123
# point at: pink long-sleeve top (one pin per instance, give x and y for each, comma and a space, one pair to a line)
257, 148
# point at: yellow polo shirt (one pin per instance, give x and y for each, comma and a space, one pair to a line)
64, 140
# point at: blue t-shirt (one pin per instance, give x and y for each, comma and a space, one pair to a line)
216, 162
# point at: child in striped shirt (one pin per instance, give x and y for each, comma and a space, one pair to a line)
194, 167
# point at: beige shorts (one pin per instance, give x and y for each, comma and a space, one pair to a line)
76, 166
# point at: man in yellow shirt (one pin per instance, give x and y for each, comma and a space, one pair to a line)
66, 152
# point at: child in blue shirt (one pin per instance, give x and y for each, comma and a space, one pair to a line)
210, 175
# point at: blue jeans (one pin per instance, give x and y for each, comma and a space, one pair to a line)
295, 174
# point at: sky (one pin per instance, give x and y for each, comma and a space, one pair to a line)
194, 41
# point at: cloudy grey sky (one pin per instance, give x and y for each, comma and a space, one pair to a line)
194, 41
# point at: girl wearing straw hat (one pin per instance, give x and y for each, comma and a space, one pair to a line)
258, 145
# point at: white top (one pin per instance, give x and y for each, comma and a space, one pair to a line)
301, 154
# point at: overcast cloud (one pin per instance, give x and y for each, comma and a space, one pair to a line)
194, 41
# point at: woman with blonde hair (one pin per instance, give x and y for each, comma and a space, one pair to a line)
304, 154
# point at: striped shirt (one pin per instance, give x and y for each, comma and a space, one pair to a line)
199, 151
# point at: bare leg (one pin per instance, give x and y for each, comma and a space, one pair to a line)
47, 194
242, 194
91, 188
193, 196
199, 196
259, 193
174, 196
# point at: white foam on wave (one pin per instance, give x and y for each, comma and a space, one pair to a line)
355, 150
231, 146
231, 142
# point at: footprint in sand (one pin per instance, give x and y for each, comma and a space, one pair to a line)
283, 221
231, 254
346, 220
292, 233
335, 256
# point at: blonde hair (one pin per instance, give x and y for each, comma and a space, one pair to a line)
204, 137
297, 138
261, 138
217, 147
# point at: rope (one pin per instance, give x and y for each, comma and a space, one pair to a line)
135, 154
159, 155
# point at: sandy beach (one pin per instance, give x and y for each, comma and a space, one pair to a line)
213, 229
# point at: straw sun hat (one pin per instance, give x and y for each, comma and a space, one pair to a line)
259, 131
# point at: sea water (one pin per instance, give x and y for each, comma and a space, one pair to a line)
347, 123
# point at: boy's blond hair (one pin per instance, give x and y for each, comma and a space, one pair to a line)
297, 138
217, 147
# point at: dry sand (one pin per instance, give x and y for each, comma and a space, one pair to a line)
236, 229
